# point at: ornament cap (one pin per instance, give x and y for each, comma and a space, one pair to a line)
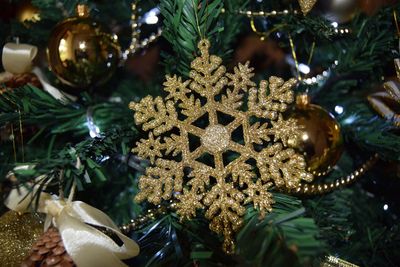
82, 11
303, 100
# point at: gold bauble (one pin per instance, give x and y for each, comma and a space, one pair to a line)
17, 234
320, 140
340, 11
80, 53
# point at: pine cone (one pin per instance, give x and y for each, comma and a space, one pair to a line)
48, 251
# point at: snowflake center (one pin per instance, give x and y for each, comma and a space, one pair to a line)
216, 138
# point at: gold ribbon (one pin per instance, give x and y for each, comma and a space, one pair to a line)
387, 102
86, 245
18, 58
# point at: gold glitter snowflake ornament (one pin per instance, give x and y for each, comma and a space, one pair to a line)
212, 152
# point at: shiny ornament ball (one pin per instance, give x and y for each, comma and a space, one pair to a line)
80, 52
320, 139
340, 11
17, 234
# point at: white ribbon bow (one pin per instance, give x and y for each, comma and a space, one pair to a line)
86, 245
18, 58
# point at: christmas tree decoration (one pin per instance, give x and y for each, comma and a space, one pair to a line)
88, 235
136, 44
306, 5
19, 80
48, 250
338, 10
18, 58
81, 53
217, 141
17, 61
17, 234
26, 12
387, 103
332, 261
324, 188
320, 140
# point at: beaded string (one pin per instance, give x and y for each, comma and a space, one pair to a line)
136, 44
323, 188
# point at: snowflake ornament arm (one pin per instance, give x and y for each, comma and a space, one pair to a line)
216, 172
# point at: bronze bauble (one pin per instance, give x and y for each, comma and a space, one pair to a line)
17, 234
80, 52
340, 11
320, 140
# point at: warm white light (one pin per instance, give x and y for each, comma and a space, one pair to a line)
94, 131
304, 137
349, 120
151, 16
63, 46
339, 109
82, 45
304, 68
151, 20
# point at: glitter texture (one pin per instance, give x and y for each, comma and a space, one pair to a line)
17, 234
306, 5
224, 186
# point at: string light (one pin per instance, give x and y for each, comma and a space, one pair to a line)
136, 22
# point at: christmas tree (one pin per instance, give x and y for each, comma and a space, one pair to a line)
199, 133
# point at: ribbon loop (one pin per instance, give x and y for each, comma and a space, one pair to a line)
75, 221
18, 58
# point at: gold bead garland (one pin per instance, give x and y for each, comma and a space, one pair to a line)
253, 14
272, 13
149, 215
323, 188
136, 44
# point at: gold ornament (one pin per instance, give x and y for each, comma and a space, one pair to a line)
320, 140
324, 188
17, 234
81, 53
387, 103
209, 109
332, 261
84, 230
340, 11
306, 5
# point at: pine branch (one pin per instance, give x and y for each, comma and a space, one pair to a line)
37, 107
79, 162
283, 238
185, 23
